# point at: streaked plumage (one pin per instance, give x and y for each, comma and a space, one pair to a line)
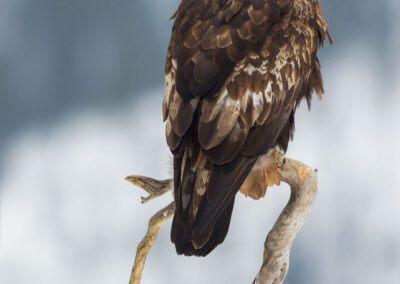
235, 73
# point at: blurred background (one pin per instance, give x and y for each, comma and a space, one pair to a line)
80, 108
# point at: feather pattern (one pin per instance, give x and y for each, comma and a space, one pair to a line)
235, 72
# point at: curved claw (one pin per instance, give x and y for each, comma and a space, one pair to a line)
280, 159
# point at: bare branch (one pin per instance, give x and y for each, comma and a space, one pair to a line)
143, 248
153, 187
303, 183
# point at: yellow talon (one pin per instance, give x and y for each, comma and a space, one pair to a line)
279, 158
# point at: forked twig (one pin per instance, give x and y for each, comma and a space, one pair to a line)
153, 187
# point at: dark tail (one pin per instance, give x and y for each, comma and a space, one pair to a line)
182, 235
198, 232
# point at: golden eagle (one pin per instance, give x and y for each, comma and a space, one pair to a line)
235, 73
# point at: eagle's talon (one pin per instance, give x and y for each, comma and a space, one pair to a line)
280, 159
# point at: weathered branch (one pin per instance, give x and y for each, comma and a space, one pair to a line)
303, 182
143, 248
153, 187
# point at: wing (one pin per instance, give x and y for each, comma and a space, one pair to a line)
209, 38
231, 83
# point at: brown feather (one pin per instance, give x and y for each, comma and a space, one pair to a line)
236, 70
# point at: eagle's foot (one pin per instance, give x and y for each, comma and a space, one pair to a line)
272, 169
280, 159
266, 172
153, 187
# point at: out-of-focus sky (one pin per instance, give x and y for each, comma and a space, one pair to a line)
80, 109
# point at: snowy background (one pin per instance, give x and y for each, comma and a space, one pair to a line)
80, 109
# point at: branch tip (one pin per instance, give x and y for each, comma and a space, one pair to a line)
153, 187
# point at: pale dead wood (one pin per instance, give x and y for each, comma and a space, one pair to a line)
303, 183
153, 187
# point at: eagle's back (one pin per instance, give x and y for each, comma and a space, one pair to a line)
235, 72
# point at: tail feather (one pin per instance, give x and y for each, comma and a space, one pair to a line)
222, 188
219, 231
204, 207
